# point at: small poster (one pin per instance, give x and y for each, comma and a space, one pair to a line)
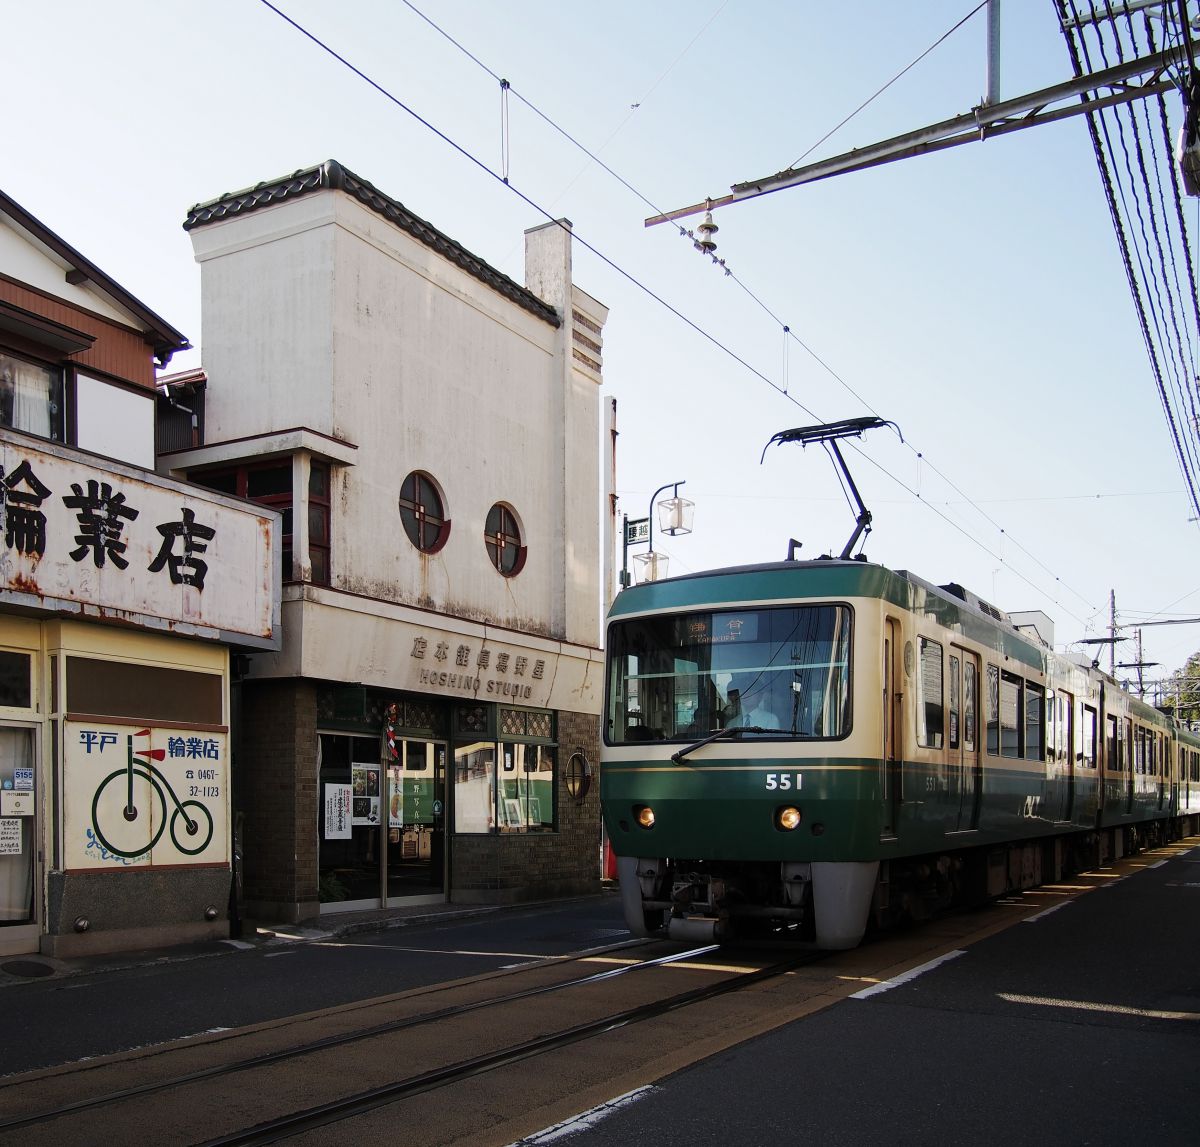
10, 837
337, 812
18, 802
365, 779
396, 800
22, 778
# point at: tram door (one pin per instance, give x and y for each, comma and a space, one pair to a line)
1060, 755
893, 740
965, 762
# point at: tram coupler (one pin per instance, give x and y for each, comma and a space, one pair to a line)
697, 929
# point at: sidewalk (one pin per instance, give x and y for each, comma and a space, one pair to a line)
26, 969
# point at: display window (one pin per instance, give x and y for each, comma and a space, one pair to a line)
504, 787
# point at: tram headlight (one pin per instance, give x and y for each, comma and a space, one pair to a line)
787, 818
644, 815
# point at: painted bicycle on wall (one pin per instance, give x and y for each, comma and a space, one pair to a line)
143, 809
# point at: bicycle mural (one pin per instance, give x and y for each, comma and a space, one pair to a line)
151, 796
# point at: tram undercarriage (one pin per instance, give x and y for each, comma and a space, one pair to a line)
832, 905
820, 903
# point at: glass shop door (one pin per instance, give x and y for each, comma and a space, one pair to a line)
19, 874
416, 821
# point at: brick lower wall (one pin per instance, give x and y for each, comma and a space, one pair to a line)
275, 788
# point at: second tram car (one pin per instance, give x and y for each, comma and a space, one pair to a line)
802, 749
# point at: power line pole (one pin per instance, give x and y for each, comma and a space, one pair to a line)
1112, 632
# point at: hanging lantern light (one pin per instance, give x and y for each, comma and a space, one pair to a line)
675, 516
650, 567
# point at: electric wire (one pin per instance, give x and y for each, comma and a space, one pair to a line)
629, 277
785, 327
1144, 240
903, 71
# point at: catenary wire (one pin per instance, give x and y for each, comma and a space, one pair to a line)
903, 71
786, 328
629, 277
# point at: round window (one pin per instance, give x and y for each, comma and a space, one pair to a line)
422, 513
502, 536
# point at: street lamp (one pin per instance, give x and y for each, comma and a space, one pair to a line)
674, 517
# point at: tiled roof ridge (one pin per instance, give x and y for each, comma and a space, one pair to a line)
331, 175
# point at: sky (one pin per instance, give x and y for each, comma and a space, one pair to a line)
974, 298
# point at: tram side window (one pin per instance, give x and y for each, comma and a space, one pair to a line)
1035, 722
955, 737
1112, 760
1086, 744
1011, 696
1064, 729
969, 691
993, 710
930, 703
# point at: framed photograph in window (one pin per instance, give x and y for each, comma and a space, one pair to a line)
512, 813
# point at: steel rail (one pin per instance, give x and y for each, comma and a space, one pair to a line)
329, 1042
335, 1111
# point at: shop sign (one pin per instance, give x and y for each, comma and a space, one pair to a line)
16, 802
139, 797
337, 812
80, 535
479, 669
10, 838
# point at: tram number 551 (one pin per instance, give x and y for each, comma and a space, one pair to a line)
784, 780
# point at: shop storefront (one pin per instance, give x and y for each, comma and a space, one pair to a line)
411, 787
122, 594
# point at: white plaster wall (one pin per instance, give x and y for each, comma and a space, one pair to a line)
321, 313
266, 291
114, 421
434, 371
22, 260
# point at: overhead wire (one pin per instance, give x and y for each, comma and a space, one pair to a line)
634, 281
1169, 361
787, 330
899, 75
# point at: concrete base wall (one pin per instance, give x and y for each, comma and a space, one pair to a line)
117, 908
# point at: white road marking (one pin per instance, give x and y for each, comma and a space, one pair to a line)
1044, 912
904, 977
585, 1120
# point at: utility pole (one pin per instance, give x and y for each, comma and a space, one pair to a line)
1112, 632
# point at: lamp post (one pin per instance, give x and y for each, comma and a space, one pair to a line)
675, 517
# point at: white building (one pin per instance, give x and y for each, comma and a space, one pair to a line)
429, 430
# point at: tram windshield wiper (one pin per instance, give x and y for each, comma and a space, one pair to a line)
729, 731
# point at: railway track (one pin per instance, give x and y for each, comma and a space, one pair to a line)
249, 1088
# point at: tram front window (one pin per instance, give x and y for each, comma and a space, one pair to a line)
784, 671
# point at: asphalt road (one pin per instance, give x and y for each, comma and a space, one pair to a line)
1079, 1026
51, 1022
